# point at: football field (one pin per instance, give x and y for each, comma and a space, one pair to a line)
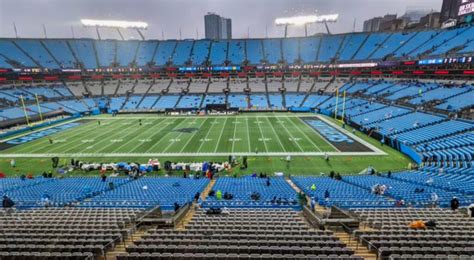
141, 136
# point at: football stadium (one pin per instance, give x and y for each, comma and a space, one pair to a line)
322, 140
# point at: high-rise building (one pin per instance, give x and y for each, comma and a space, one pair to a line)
449, 10
217, 27
374, 24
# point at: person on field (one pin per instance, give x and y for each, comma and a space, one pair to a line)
13, 163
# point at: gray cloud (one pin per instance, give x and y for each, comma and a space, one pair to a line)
255, 16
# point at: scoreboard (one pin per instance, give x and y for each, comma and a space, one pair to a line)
466, 7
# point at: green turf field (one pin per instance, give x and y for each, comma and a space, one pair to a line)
199, 138
190, 136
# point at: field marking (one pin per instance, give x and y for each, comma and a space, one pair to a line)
80, 130
306, 136
220, 136
119, 117
276, 135
263, 137
139, 136
165, 124
179, 135
155, 121
296, 142
39, 129
206, 137
195, 133
319, 134
248, 134
133, 133
145, 155
99, 137
355, 137
166, 134
233, 137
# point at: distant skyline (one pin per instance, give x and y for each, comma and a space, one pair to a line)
169, 17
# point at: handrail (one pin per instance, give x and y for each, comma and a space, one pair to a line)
181, 213
312, 217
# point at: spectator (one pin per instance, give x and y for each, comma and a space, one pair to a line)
434, 199
430, 181
454, 204
313, 187
176, 206
219, 195
7, 203
255, 196
389, 174
103, 177
111, 186
268, 181
196, 196
326, 195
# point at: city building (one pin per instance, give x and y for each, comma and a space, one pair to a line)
449, 10
374, 24
217, 27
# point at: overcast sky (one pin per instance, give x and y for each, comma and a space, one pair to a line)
168, 16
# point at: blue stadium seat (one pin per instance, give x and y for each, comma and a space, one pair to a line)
145, 52
126, 51
242, 188
218, 53
200, 52
62, 53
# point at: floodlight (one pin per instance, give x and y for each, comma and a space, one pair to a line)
303, 20
114, 24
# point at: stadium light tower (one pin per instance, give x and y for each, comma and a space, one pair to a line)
305, 20
115, 25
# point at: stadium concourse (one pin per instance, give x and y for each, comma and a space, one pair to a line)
261, 99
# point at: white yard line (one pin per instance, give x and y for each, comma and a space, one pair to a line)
355, 137
276, 135
261, 134
142, 133
248, 134
233, 137
81, 129
166, 134
319, 134
195, 133
134, 132
179, 135
40, 129
292, 137
99, 138
207, 135
305, 135
220, 136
